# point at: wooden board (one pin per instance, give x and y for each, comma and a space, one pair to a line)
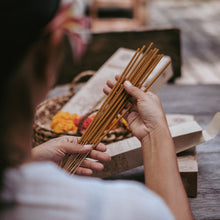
91, 94
186, 134
118, 15
188, 167
201, 101
127, 154
187, 163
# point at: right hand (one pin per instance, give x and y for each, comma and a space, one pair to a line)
147, 115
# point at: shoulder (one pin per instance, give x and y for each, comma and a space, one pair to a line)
115, 199
97, 199
131, 200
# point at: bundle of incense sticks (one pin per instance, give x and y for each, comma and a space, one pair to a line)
118, 100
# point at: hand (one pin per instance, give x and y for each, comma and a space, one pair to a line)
147, 115
57, 148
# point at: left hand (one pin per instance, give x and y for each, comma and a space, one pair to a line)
57, 148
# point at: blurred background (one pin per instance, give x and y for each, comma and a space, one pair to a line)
199, 22
186, 30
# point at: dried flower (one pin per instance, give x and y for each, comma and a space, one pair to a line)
66, 122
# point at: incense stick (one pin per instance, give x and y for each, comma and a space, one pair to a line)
137, 72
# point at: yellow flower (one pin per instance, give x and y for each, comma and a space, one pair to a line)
125, 123
64, 122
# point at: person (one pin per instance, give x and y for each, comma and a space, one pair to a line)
32, 185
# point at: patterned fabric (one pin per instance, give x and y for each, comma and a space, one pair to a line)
72, 21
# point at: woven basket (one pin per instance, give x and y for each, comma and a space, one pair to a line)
47, 109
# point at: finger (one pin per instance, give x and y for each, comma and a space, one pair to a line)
101, 147
81, 171
111, 83
77, 148
67, 139
93, 165
69, 145
106, 90
117, 76
97, 155
126, 112
133, 91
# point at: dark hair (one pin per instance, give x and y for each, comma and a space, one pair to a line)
22, 23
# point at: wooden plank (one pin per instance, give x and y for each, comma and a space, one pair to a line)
114, 3
201, 102
91, 95
127, 154
188, 167
134, 11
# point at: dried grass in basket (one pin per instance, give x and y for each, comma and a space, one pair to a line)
43, 132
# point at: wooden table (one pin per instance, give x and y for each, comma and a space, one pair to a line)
202, 101
114, 19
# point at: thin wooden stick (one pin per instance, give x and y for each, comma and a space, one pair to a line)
131, 105
110, 128
137, 71
90, 127
157, 76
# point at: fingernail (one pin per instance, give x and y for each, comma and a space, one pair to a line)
127, 83
87, 145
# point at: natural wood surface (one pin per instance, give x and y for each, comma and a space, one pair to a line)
91, 94
136, 8
127, 154
202, 101
199, 24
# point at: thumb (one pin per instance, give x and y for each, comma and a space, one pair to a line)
132, 90
77, 148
